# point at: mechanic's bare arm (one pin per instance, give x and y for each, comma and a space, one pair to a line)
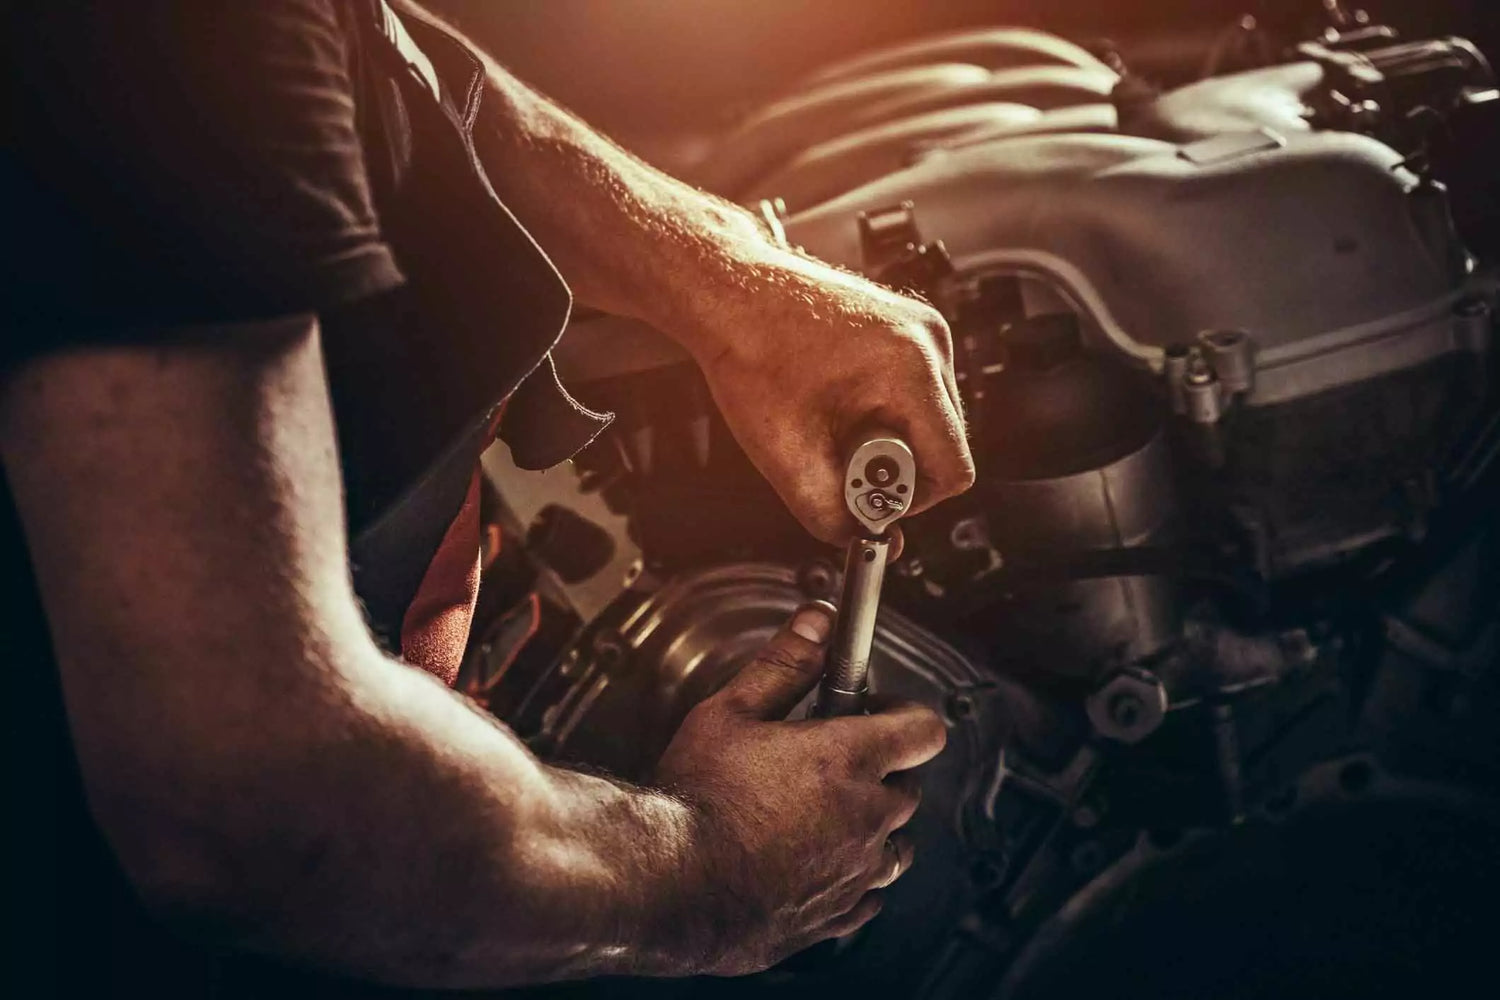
797, 353
262, 771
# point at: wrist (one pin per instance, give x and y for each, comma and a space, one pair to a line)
646, 858
666, 930
721, 300
681, 930
706, 272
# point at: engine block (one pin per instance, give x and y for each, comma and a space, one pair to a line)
1216, 632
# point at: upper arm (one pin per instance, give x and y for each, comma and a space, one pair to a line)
174, 176
182, 507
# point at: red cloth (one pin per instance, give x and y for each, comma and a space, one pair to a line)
435, 628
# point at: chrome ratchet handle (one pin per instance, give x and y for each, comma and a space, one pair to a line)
880, 480
846, 672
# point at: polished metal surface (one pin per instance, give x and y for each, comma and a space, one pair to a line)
1083, 625
1231, 355
1152, 248
1202, 392
880, 480
844, 679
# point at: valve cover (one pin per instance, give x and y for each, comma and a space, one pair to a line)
1340, 263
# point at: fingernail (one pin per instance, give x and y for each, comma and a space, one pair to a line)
814, 622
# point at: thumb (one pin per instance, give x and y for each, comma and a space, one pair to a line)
786, 668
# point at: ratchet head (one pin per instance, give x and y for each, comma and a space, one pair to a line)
880, 481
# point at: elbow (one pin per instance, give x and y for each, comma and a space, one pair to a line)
193, 881
219, 870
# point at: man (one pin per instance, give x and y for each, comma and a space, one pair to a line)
219, 215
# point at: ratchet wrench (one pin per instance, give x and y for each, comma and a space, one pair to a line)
880, 479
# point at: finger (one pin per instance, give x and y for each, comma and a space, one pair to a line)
903, 798
896, 856
885, 701
950, 382
808, 474
863, 912
898, 543
947, 367
785, 669
935, 430
897, 737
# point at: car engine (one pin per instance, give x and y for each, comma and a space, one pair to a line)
1215, 633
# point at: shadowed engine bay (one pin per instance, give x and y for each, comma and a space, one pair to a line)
1215, 633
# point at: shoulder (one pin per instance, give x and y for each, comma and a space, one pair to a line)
187, 161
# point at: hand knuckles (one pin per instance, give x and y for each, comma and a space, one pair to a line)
923, 313
954, 477
922, 350
899, 341
868, 758
852, 761
940, 335
958, 472
733, 701
834, 761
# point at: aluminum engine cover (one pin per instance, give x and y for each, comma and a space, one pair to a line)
1341, 264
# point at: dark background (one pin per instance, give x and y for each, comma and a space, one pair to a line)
649, 67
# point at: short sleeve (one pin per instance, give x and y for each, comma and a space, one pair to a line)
182, 161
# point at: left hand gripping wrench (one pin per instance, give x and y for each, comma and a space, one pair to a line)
880, 479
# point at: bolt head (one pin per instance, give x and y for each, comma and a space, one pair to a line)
816, 579
1129, 707
960, 706
1125, 710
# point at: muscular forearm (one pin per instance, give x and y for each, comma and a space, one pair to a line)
630, 239
767, 325
259, 768
422, 845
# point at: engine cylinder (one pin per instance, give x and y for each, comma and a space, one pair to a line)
1077, 462
1083, 626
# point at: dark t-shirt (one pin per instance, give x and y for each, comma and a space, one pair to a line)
166, 162
173, 162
